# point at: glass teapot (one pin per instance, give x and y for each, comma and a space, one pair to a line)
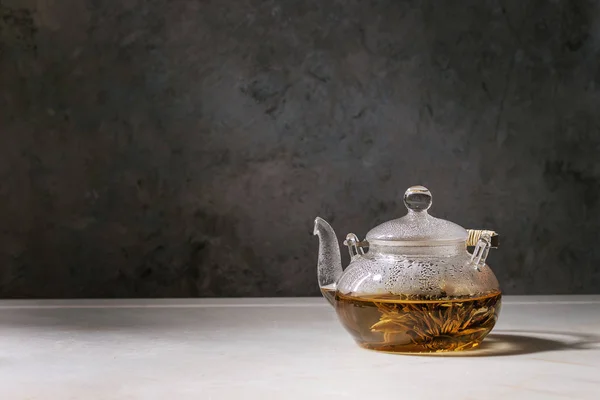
411, 285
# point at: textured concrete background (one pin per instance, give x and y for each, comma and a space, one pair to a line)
183, 148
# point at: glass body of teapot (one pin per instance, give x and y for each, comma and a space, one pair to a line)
411, 285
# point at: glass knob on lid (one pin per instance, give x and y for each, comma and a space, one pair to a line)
417, 198
417, 227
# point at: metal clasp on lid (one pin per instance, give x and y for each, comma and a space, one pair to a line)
355, 246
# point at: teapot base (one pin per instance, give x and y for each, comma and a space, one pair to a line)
401, 324
417, 348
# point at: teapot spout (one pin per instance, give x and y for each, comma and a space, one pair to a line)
329, 265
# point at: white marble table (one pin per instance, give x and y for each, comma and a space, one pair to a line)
542, 348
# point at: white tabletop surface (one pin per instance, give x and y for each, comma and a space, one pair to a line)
544, 347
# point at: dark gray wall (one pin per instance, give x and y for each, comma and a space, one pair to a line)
183, 148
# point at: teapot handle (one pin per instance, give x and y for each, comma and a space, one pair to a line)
482, 240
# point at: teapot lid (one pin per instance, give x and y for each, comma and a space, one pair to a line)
417, 228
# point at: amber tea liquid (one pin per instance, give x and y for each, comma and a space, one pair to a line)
413, 324
329, 293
